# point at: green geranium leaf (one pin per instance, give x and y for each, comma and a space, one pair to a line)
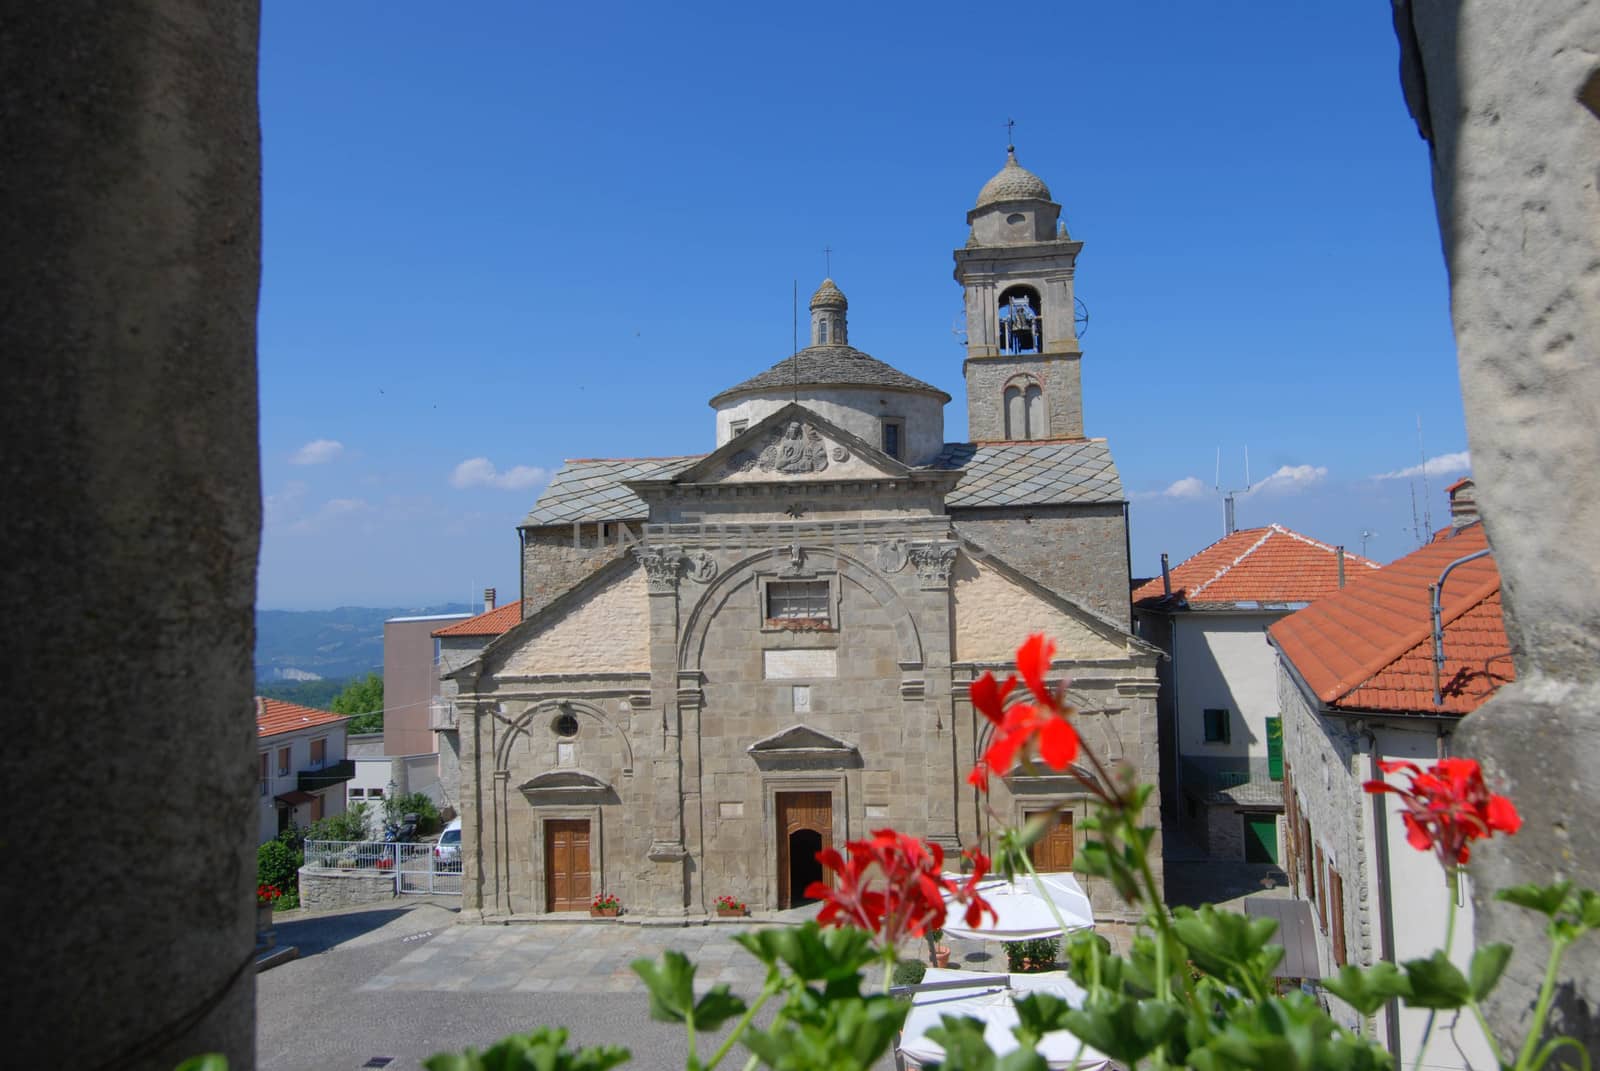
1588, 909
1370, 988
842, 1033
961, 1038
543, 1050
671, 986
1436, 983
716, 1007
1231, 946
1545, 899
1125, 1030
1038, 1015
209, 1061
1488, 964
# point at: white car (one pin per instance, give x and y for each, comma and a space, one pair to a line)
447, 853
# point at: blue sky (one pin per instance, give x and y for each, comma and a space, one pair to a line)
498, 236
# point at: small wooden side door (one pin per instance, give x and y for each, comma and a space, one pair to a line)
566, 865
800, 811
1052, 853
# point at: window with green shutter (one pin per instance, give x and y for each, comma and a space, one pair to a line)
1275, 748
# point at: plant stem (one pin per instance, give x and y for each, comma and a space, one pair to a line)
1452, 885
1483, 1024
1547, 991
738, 1028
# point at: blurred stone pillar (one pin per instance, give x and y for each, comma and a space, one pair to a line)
129, 269
1509, 97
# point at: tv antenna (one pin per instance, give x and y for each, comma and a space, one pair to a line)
1228, 522
1427, 498
1366, 534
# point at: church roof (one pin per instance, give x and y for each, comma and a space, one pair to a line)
592, 490
830, 366
1044, 473
1013, 183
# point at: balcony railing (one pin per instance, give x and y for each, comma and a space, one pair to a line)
332, 773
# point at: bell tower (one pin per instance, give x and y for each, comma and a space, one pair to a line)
1022, 341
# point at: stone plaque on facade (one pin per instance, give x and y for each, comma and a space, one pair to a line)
792, 665
802, 699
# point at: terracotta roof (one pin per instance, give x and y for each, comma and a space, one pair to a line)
1269, 566
274, 716
496, 622
1370, 646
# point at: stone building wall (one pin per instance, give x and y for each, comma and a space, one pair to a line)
325, 889
556, 557
1078, 550
1058, 377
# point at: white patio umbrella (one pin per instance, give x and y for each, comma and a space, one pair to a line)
1022, 909
994, 1006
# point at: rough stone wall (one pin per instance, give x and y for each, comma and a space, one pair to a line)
1510, 98
326, 889
1328, 773
993, 615
1059, 377
1080, 551
130, 265
604, 632
1224, 833
555, 558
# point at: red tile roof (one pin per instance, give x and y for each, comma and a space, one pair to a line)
274, 716
1370, 646
1260, 565
496, 622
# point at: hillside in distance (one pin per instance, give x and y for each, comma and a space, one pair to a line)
305, 645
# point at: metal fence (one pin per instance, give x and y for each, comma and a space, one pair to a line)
415, 868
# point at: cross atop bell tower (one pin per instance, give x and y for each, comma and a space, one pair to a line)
1017, 270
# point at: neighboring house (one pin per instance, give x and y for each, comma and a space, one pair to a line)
411, 681
724, 662
1358, 684
1220, 757
301, 765
460, 643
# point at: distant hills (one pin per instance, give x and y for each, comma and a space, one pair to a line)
331, 645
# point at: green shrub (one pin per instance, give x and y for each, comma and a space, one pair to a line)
908, 972
279, 864
351, 825
421, 805
1041, 952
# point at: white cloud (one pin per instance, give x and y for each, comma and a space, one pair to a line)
1460, 461
332, 512
317, 452
1289, 479
285, 505
480, 472
1187, 489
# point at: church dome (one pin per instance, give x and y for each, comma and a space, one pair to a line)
829, 296
1013, 183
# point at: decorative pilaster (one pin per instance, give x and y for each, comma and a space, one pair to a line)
933, 562
662, 566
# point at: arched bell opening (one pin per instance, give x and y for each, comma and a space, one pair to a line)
1021, 320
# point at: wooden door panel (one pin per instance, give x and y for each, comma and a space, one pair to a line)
1052, 853
798, 811
566, 865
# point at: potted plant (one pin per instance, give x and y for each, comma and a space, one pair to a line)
941, 952
266, 897
728, 907
606, 906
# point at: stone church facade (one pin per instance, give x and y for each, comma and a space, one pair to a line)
728, 661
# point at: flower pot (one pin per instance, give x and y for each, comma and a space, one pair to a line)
941, 956
603, 912
730, 912
263, 917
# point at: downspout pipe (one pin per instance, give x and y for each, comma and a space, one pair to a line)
1380, 838
1438, 623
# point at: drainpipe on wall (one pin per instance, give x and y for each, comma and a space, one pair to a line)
1438, 623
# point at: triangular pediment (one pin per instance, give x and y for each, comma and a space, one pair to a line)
800, 739
792, 444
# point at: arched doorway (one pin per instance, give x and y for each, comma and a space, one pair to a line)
804, 844
805, 827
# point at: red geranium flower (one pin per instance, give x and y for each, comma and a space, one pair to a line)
1447, 807
906, 895
1045, 717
